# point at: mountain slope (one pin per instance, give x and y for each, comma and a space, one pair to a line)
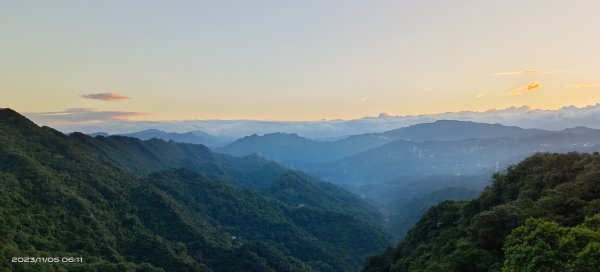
252, 172
470, 236
62, 199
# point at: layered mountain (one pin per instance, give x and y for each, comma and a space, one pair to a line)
124, 204
192, 137
539, 215
523, 116
423, 163
302, 153
457, 157
297, 152
251, 172
443, 147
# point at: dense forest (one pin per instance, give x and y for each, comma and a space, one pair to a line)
539, 215
123, 204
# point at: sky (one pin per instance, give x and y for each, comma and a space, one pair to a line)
93, 61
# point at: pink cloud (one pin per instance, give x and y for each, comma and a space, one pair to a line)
106, 96
81, 115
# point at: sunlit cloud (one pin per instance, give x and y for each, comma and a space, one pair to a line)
530, 72
529, 88
364, 99
480, 95
106, 96
582, 86
80, 116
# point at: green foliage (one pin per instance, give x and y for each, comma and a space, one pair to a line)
560, 189
300, 190
540, 245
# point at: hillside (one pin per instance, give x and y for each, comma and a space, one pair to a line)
491, 232
64, 198
252, 172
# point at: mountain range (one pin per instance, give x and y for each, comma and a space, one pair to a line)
149, 201
422, 163
124, 204
524, 116
443, 147
191, 137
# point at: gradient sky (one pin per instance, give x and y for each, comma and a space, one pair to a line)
296, 60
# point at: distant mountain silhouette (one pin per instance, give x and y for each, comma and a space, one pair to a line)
449, 130
524, 117
297, 152
192, 137
457, 157
104, 134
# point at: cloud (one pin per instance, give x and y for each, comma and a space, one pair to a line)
529, 88
530, 72
80, 116
480, 95
364, 99
582, 86
105, 96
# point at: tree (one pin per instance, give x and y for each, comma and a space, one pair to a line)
541, 245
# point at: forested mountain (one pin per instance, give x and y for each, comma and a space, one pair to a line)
99, 199
192, 137
145, 157
493, 232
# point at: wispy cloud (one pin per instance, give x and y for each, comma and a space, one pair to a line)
480, 95
530, 72
80, 115
364, 99
529, 88
582, 86
106, 96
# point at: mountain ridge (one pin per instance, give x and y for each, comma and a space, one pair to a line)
118, 219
